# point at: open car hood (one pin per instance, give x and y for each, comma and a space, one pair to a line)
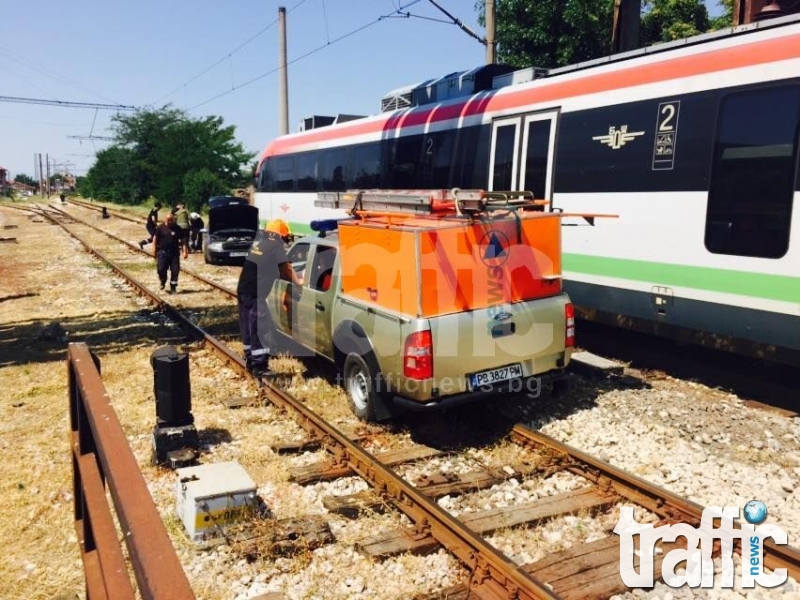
235, 216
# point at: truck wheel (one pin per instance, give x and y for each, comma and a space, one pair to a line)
359, 382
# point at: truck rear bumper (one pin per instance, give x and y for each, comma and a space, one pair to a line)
535, 385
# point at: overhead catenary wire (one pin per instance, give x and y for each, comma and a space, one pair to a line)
228, 56
33, 66
66, 103
397, 12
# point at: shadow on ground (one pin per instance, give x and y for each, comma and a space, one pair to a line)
34, 341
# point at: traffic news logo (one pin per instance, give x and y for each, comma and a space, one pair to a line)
697, 555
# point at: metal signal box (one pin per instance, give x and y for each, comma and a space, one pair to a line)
211, 497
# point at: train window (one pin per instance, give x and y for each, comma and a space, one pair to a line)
265, 177
334, 171
284, 174
536, 156
367, 166
505, 147
307, 172
470, 167
753, 173
437, 155
404, 165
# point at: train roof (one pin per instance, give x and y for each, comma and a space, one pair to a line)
560, 82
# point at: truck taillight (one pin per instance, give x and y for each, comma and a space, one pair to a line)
418, 356
569, 336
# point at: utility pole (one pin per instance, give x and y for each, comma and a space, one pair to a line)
491, 33
47, 162
41, 176
625, 32
283, 83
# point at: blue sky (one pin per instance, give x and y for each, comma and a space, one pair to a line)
155, 52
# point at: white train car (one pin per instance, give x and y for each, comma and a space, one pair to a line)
694, 144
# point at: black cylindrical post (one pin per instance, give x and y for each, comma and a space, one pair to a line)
171, 387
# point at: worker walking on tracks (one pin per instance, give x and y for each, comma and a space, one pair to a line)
151, 225
266, 262
166, 243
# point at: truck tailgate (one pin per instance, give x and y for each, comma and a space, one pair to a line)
472, 348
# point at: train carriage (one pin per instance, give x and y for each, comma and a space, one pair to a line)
694, 144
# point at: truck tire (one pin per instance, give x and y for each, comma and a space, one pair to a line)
359, 383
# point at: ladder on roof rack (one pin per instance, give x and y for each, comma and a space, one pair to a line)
428, 202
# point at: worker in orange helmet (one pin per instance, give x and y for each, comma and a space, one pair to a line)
266, 262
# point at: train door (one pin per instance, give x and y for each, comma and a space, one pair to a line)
522, 153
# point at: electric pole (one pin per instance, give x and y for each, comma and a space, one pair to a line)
47, 161
491, 39
625, 32
283, 83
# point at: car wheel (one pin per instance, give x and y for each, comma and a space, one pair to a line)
359, 382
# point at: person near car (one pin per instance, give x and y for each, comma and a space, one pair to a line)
196, 225
182, 221
166, 246
266, 262
151, 225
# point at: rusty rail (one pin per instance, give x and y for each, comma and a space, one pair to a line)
101, 455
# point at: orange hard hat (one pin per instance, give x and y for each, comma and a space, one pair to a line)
278, 226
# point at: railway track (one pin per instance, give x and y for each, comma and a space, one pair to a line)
585, 570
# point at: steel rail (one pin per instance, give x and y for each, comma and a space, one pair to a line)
136, 248
494, 576
100, 454
115, 212
643, 493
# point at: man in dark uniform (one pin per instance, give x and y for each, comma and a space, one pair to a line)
151, 225
166, 245
265, 263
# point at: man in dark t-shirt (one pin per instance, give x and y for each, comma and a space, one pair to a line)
151, 225
265, 263
166, 242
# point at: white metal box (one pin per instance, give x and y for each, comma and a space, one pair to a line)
211, 497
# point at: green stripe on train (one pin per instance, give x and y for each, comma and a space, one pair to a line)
743, 283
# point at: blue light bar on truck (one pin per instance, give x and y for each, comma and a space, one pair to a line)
323, 226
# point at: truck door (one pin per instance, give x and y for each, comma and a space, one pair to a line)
316, 301
522, 154
282, 303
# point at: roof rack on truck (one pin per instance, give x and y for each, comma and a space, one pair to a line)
439, 203
429, 202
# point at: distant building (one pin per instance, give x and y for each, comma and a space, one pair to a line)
22, 188
4, 182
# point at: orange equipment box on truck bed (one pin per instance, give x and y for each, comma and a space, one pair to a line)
435, 259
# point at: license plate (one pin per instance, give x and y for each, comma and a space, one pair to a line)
237, 254
493, 376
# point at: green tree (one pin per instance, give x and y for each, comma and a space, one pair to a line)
667, 20
551, 34
26, 179
564, 32
726, 18
167, 145
201, 184
113, 176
